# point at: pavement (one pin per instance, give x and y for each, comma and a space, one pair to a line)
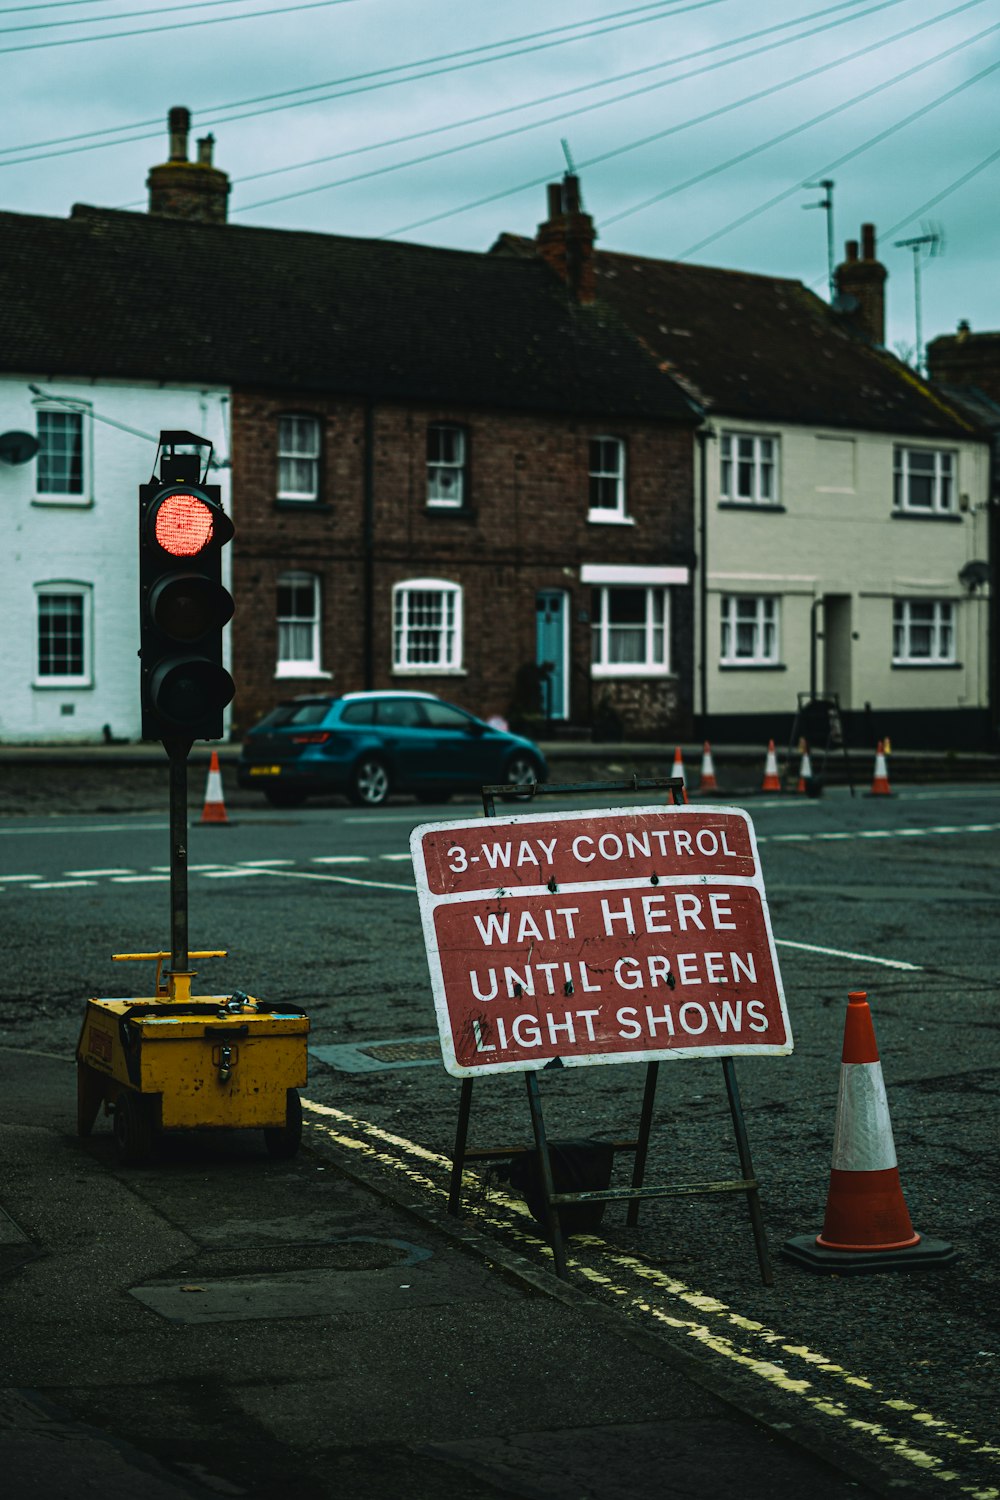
218, 1323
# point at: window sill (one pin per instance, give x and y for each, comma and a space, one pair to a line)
609, 518
70, 502
927, 666
623, 670
752, 666
302, 671
900, 514
460, 512
756, 506
318, 505
62, 684
424, 671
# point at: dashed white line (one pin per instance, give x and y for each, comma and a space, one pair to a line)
151, 879
59, 885
9, 879
340, 859
266, 863
115, 870
397, 857
235, 874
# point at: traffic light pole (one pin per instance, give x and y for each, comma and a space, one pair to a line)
180, 977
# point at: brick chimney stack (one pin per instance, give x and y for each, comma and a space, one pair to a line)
862, 278
566, 240
182, 189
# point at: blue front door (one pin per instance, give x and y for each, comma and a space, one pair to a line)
551, 630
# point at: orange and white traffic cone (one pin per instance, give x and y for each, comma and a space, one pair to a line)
867, 1225
771, 782
880, 777
679, 770
708, 782
214, 810
805, 769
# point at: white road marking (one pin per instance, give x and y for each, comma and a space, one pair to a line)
60, 885
866, 958
340, 859
398, 857
62, 831
238, 873
10, 878
268, 863
151, 879
379, 885
115, 870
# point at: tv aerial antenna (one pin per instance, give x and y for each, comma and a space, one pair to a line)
826, 203
931, 243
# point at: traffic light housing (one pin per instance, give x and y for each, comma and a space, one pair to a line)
183, 606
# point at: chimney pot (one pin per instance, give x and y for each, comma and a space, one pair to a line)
178, 124
205, 150
571, 193
852, 250
566, 240
554, 199
868, 242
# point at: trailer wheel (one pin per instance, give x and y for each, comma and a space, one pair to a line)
282, 1141
133, 1129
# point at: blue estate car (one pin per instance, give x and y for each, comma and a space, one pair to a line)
367, 745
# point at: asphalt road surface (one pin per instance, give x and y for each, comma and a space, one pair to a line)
895, 896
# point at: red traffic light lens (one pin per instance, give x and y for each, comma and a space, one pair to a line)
184, 525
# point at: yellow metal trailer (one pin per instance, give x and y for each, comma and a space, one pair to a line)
178, 1061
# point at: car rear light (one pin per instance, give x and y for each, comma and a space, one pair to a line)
319, 738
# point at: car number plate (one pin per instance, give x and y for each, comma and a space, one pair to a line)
265, 770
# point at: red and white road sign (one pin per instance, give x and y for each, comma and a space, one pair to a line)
620, 935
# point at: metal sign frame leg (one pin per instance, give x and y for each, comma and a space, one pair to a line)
746, 1167
642, 1144
552, 1224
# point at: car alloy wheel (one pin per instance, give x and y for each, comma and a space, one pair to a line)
369, 782
521, 771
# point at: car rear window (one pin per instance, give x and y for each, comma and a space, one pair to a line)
362, 712
444, 716
285, 714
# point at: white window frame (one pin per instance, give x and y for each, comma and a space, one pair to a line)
289, 625
406, 628
68, 588
446, 476
68, 408
604, 475
942, 475
733, 461
299, 442
601, 627
942, 625
764, 620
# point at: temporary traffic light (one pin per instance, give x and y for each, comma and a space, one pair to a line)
182, 602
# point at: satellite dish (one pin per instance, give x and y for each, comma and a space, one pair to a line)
18, 447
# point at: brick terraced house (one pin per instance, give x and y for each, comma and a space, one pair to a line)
447, 470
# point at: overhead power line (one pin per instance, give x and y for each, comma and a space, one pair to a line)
603, 104
585, 88
832, 166
215, 115
111, 36
221, 20
119, 15
713, 114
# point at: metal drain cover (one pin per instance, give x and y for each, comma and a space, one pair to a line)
381, 1053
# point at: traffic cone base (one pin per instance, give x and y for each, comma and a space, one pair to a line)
805, 1250
214, 810
772, 781
868, 1207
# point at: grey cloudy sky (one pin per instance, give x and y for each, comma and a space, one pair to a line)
693, 123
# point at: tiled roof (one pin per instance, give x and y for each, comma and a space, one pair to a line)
763, 348
128, 295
